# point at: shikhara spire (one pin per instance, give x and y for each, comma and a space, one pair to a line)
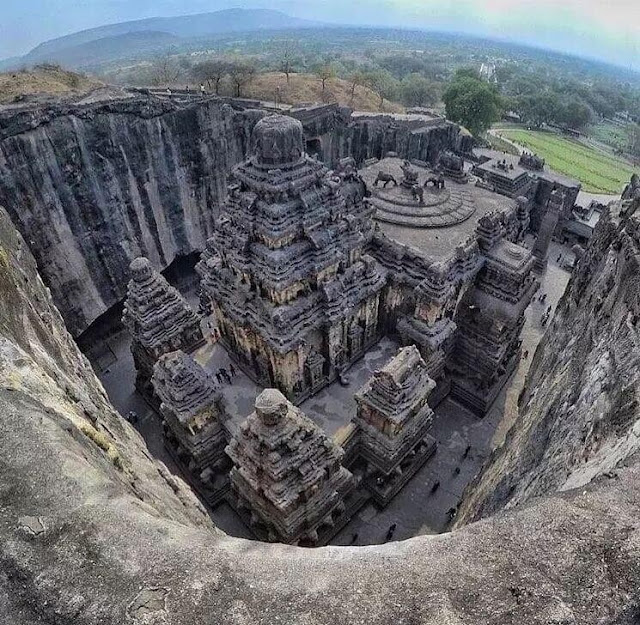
158, 318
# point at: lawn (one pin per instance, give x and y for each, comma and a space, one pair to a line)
597, 171
614, 135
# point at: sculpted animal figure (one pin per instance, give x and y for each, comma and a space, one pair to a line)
386, 179
410, 174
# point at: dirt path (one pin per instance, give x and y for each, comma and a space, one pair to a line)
496, 133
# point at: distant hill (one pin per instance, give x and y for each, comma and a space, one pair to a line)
186, 27
107, 49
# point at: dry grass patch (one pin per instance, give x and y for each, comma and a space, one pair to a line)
43, 79
101, 440
304, 88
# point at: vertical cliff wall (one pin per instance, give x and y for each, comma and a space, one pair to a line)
92, 186
375, 135
49, 394
580, 410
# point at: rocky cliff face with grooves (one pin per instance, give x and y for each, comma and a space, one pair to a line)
580, 409
92, 186
93, 531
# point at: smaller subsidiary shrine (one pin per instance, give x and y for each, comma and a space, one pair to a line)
159, 320
193, 421
393, 420
287, 477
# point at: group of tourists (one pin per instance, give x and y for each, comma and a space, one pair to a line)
222, 375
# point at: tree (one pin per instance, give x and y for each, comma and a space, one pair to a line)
165, 71
357, 78
324, 72
416, 90
472, 102
242, 73
575, 114
288, 58
539, 109
211, 72
383, 84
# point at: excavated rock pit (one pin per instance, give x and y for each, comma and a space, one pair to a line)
95, 530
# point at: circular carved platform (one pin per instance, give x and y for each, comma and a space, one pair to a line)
441, 207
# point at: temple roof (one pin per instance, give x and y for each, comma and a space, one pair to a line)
155, 313
277, 140
184, 386
399, 386
290, 242
281, 453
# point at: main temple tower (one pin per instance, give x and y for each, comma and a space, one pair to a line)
295, 297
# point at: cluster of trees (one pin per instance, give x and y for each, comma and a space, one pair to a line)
240, 72
540, 98
472, 102
412, 90
409, 79
551, 108
169, 70
539, 94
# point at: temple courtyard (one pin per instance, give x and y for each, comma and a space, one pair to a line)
415, 509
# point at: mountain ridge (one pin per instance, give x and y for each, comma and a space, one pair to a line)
186, 26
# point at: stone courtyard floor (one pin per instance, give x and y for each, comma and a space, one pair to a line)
415, 510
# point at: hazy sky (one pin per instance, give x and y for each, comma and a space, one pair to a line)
606, 29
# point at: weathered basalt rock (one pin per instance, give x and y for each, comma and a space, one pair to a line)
295, 298
580, 409
191, 405
93, 186
393, 421
159, 320
85, 542
287, 473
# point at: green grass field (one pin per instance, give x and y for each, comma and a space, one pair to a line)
597, 171
611, 134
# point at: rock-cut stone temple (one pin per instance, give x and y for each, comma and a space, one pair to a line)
295, 296
193, 421
159, 320
287, 474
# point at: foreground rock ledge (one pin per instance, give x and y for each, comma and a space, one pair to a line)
93, 530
